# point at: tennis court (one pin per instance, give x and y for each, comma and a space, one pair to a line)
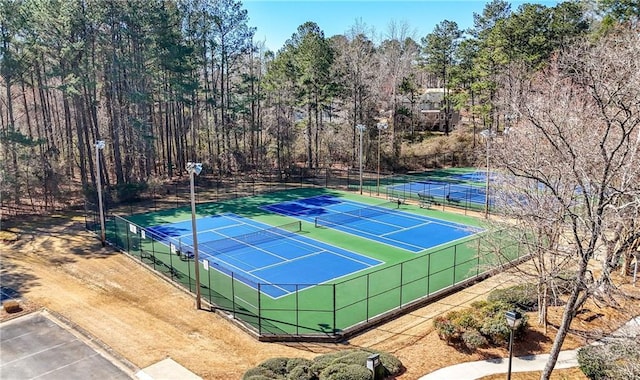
382, 223
299, 280
456, 188
259, 253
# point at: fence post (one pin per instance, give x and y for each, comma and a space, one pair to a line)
455, 263
128, 225
153, 251
233, 294
401, 272
428, 273
335, 328
259, 308
297, 312
209, 284
188, 269
479, 253
367, 303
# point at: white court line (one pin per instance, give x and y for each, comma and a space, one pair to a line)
421, 218
289, 260
251, 276
366, 235
354, 230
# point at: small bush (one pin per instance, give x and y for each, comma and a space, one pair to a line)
297, 362
323, 361
342, 371
358, 357
260, 373
391, 364
276, 365
619, 360
474, 340
302, 372
446, 329
592, 362
346, 364
495, 328
482, 324
467, 319
523, 296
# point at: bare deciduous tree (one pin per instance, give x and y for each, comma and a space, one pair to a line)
571, 164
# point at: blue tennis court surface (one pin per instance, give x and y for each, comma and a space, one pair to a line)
382, 224
444, 190
259, 253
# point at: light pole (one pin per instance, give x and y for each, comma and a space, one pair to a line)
194, 169
361, 129
381, 126
487, 134
513, 320
99, 146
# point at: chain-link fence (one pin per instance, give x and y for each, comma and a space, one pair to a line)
309, 311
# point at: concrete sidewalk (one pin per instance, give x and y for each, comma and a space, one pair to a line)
566, 359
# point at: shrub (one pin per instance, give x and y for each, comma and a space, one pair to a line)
446, 329
592, 362
481, 324
342, 371
523, 296
297, 362
619, 360
391, 364
358, 357
323, 361
467, 319
260, 373
347, 364
473, 339
495, 328
302, 372
276, 365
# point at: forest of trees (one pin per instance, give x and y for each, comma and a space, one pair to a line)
167, 82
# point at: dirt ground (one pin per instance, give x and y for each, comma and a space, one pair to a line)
54, 263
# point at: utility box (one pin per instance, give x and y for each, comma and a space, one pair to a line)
375, 365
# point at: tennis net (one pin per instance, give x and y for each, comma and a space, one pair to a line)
341, 218
217, 247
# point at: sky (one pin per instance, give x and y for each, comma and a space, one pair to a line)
277, 20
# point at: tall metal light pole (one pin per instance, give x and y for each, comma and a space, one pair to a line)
513, 320
381, 126
194, 169
487, 134
99, 146
361, 128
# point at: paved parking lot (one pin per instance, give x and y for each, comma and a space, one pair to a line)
38, 345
